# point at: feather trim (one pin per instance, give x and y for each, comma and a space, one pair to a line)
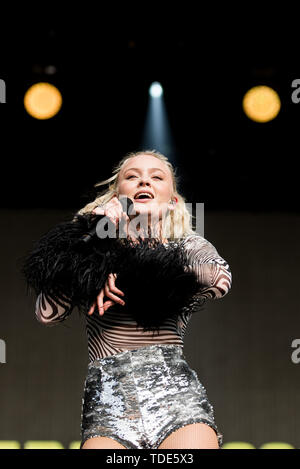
154, 276
66, 269
155, 280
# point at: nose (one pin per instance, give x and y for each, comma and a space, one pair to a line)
145, 180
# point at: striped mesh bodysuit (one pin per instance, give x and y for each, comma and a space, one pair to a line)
114, 332
126, 363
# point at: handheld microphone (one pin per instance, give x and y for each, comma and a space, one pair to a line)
127, 205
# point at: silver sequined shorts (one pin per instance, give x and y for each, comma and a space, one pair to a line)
138, 397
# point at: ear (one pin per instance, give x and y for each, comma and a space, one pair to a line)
172, 203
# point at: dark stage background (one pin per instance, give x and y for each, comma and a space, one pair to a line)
244, 172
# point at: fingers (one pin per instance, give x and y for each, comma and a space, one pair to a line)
108, 290
98, 211
108, 304
112, 209
92, 308
110, 295
112, 286
100, 302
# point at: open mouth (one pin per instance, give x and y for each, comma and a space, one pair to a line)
143, 196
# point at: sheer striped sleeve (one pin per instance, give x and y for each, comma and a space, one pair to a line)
212, 271
50, 312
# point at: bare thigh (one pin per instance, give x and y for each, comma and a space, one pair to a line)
192, 436
102, 442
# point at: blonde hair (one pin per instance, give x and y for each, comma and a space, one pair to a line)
178, 222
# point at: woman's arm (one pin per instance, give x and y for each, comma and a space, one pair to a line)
212, 270
48, 311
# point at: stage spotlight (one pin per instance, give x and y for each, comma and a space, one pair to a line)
157, 132
42, 101
261, 104
156, 90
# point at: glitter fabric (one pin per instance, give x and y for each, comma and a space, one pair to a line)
139, 397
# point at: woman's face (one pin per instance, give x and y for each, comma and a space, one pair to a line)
147, 174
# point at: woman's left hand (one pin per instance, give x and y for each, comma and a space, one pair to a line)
108, 290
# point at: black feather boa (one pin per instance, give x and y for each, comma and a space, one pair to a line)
152, 275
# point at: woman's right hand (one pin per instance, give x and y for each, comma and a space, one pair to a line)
113, 210
108, 290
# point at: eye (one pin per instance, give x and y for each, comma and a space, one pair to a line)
132, 176
157, 177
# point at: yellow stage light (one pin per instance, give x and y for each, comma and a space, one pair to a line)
261, 104
42, 101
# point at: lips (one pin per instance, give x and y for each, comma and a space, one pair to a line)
143, 201
149, 194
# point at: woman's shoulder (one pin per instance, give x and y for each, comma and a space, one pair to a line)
194, 241
194, 238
